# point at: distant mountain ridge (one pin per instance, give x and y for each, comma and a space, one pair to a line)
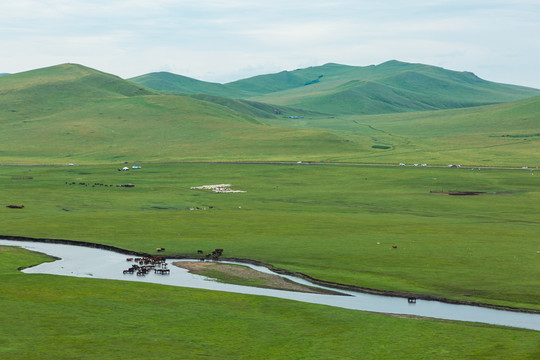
392, 86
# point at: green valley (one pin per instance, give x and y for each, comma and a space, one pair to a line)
316, 151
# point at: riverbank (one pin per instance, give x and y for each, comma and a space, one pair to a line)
243, 275
315, 281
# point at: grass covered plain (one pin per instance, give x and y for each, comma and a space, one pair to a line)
55, 317
335, 223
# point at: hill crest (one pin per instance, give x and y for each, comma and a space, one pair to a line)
392, 86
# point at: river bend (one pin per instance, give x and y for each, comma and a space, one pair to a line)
81, 261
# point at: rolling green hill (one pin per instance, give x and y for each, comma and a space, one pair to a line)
70, 113
168, 82
254, 108
499, 134
390, 87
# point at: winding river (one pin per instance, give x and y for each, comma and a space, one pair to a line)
81, 261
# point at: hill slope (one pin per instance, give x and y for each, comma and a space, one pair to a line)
57, 88
499, 134
70, 113
390, 87
168, 82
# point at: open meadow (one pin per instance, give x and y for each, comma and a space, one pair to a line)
55, 317
332, 222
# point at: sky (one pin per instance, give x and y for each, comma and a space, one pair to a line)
227, 40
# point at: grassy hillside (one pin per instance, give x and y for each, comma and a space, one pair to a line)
254, 108
390, 87
168, 82
501, 134
70, 113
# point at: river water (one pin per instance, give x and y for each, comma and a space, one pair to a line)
81, 261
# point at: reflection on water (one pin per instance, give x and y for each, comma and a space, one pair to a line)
83, 261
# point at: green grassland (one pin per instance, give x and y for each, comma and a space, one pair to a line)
331, 222
328, 220
55, 317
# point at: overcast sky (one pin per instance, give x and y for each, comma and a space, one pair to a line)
226, 40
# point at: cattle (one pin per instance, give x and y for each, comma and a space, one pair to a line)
160, 249
394, 246
199, 251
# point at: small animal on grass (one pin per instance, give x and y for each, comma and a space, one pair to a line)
15, 206
160, 249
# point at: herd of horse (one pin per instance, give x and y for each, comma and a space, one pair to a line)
210, 256
145, 265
